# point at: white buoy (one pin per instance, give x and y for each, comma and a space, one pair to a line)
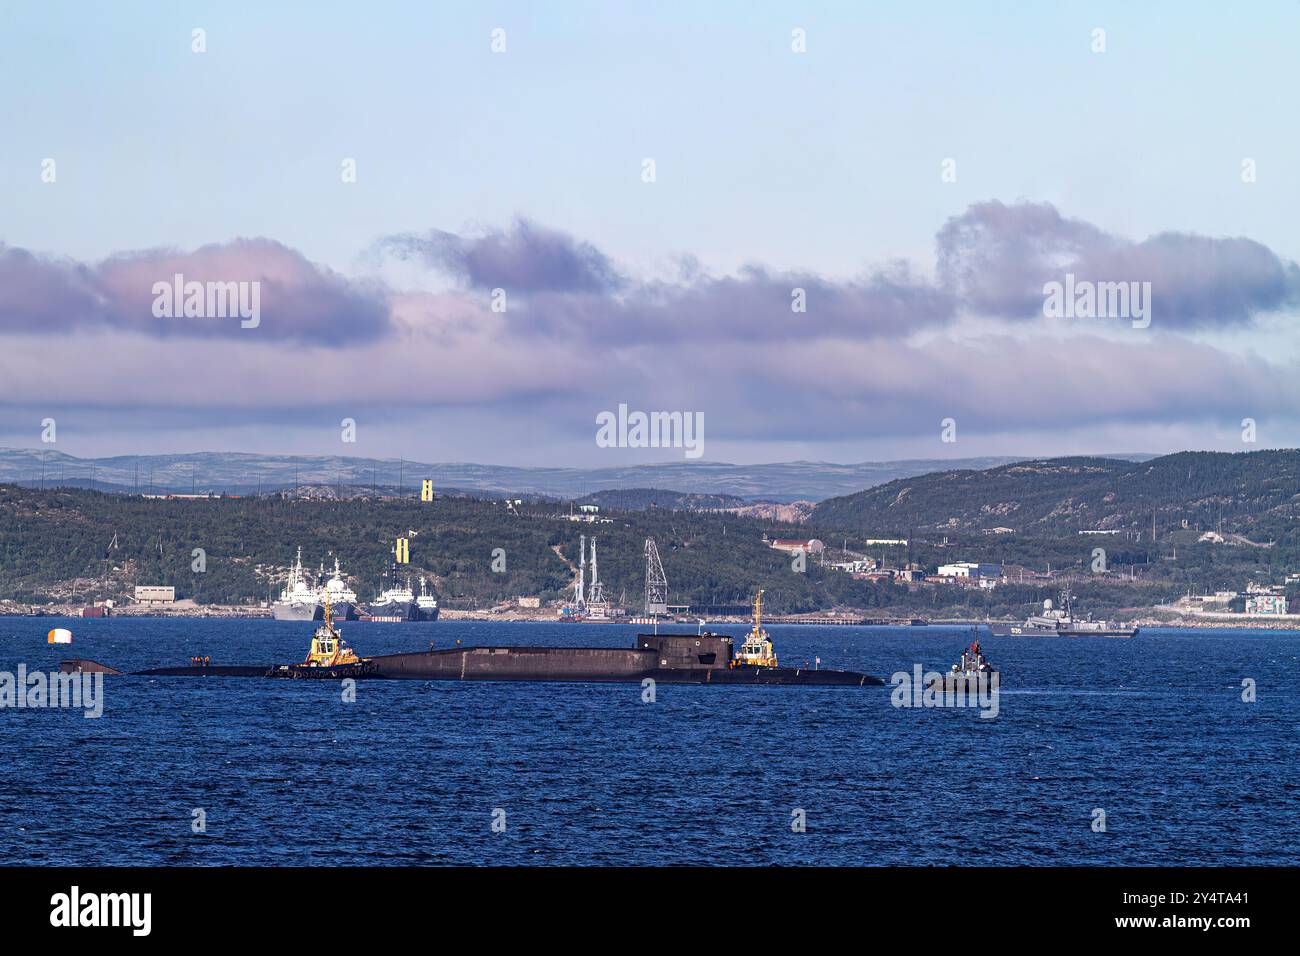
60, 635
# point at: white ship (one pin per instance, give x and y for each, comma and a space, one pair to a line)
426, 604
341, 597
299, 601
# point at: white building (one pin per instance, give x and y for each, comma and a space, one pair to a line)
971, 569
795, 545
153, 594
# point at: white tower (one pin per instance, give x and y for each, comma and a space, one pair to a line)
580, 595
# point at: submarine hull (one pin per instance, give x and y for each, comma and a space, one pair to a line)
598, 664
666, 658
210, 670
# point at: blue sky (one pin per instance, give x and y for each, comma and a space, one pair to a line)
824, 164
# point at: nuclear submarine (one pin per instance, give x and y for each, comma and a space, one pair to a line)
703, 658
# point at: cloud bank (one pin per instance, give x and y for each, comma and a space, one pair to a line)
299, 300
770, 355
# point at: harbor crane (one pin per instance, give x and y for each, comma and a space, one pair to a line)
656, 583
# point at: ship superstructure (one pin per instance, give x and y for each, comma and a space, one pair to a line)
757, 648
299, 600
426, 604
397, 601
1060, 621
340, 597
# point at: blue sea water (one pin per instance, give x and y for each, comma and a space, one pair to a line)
1151, 730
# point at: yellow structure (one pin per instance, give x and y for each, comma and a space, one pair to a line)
757, 649
328, 649
426, 490
402, 551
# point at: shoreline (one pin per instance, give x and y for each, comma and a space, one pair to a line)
530, 616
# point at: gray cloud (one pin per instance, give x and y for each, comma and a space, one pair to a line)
755, 305
298, 299
525, 258
995, 259
43, 294
581, 338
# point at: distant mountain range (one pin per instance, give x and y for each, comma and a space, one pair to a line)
1252, 492
235, 473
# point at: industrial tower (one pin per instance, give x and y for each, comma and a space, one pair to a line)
579, 591
596, 606
656, 583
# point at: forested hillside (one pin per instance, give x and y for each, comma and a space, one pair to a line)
55, 539
1221, 521
1244, 492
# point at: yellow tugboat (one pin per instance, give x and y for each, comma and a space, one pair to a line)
757, 649
329, 656
328, 649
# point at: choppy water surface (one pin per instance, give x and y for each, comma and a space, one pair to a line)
1151, 730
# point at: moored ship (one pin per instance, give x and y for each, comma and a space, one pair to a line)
426, 605
299, 600
1061, 622
339, 596
397, 601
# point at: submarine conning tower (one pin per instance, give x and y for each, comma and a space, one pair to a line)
693, 651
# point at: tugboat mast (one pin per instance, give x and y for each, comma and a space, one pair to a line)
757, 649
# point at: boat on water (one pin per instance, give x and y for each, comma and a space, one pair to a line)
426, 605
299, 600
757, 649
699, 658
971, 666
336, 593
303, 599
972, 663
396, 602
328, 658
1060, 622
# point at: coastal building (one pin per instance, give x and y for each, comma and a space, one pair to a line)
860, 566
153, 594
1266, 604
971, 570
796, 545
885, 575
